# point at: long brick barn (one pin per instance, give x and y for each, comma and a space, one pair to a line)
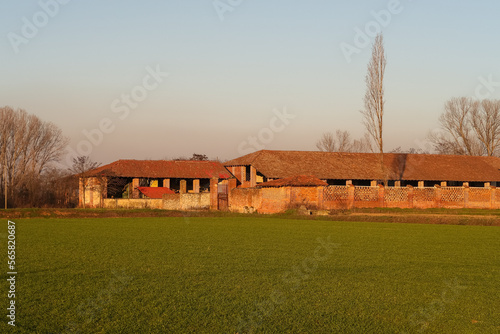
273, 181
138, 179
363, 169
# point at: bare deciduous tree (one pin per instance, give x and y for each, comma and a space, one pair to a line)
411, 150
327, 142
486, 124
455, 121
469, 127
58, 188
374, 97
5, 131
28, 146
362, 145
341, 141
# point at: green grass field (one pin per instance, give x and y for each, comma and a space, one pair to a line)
252, 275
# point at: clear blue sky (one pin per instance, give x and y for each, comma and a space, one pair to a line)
227, 76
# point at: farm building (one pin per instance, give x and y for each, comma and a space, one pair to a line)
135, 179
367, 169
272, 181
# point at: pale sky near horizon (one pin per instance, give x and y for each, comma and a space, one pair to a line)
72, 63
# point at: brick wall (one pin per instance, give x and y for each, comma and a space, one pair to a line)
310, 197
245, 200
274, 200
410, 197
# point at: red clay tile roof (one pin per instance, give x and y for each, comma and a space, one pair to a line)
294, 181
493, 161
163, 169
367, 166
155, 192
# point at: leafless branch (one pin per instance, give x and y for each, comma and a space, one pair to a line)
373, 112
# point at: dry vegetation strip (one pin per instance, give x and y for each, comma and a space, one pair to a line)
414, 216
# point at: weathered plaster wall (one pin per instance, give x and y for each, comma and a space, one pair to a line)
123, 203
171, 201
199, 201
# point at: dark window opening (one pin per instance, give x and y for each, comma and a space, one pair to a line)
247, 173
335, 182
454, 184
409, 183
204, 185
431, 183
362, 183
